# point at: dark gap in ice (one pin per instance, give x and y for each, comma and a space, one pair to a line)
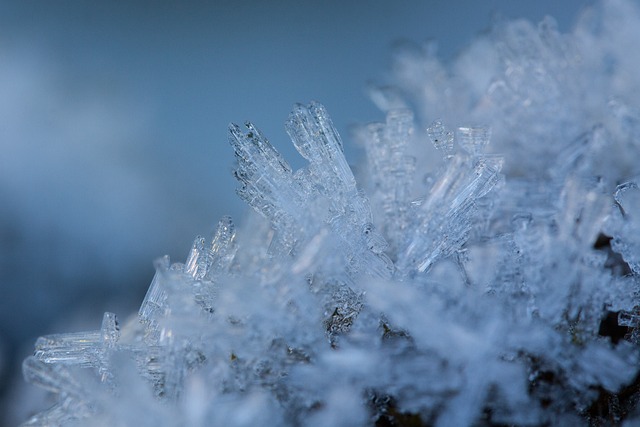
603, 242
613, 408
388, 415
614, 261
609, 327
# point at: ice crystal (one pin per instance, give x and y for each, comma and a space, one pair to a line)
494, 283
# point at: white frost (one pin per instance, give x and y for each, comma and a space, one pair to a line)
473, 286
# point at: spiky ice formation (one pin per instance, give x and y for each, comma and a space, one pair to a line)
459, 288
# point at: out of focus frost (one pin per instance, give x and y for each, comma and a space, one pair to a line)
482, 267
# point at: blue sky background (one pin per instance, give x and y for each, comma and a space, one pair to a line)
113, 146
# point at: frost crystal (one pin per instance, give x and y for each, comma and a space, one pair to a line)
493, 281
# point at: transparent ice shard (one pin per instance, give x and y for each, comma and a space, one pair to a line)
199, 260
627, 198
74, 398
584, 208
579, 157
266, 178
165, 349
392, 173
80, 348
67, 412
624, 224
208, 263
223, 245
315, 138
85, 349
628, 319
51, 376
322, 194
441, 138
449, 208
473, 139
110, 330
154, 303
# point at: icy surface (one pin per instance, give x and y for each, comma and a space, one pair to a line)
481, 268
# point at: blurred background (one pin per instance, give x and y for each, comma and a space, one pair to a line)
113, 121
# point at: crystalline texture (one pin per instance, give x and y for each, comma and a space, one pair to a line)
85, 349
51, 376
465, 288
154, 302
626, 224
392, 173
315, 138
448, 210
473, 139
266, 179
441, 138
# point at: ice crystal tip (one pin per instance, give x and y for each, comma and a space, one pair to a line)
80, 348
493, 289
627, 197
110, 329
53, 377
441, 138
629, 320
473, 139
197, 262
316, 139
399, 127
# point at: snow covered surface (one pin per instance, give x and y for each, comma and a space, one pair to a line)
481, 267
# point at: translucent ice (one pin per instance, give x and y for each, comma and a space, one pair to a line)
479, 269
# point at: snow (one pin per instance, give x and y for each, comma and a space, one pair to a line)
456, 279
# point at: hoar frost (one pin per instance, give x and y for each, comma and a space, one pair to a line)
491, 280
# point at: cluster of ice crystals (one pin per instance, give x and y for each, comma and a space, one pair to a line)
445, 287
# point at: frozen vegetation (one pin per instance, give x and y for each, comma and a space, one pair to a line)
480, 268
